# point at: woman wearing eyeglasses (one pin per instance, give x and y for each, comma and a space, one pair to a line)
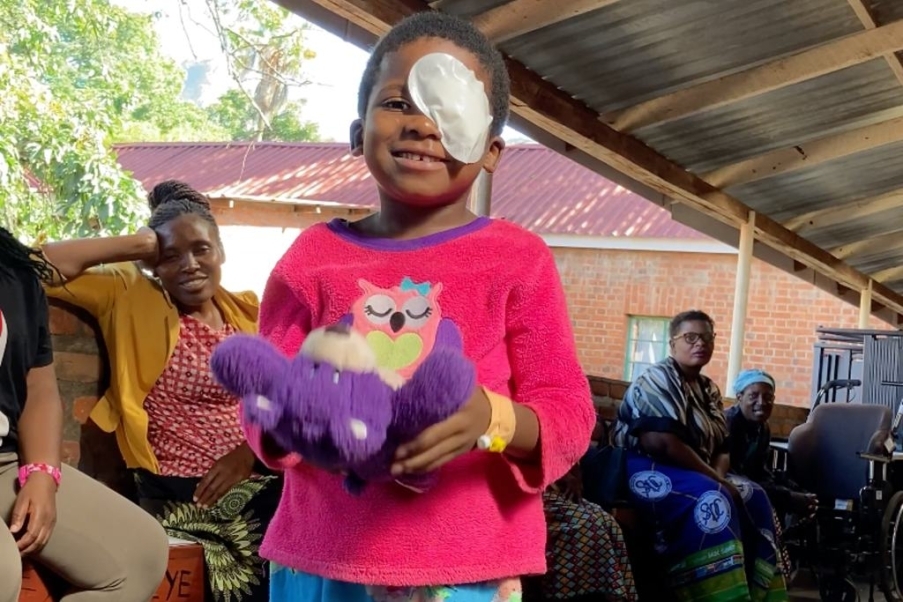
714, 531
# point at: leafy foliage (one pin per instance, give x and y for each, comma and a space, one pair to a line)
264, 47
235, 112
64, 93
79, 75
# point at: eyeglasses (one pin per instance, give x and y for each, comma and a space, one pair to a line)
691, 338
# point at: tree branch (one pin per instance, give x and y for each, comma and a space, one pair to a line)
224, 45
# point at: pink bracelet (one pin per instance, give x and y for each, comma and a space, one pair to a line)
27, 470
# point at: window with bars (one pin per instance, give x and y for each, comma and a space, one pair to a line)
647, 344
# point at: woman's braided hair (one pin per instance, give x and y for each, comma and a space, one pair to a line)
17, 258
172, 198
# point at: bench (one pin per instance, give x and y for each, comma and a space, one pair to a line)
184, 580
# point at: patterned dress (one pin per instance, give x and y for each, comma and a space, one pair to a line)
192, 423
586, 553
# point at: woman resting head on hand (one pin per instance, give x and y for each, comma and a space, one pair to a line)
158, 299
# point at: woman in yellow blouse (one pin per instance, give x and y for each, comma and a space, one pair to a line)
177, 429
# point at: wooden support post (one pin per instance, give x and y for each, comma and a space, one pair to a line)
865, 306
741, 298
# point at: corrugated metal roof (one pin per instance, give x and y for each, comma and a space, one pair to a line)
886, 11
632, 51
635, 50
858, 228
854, 97
836, 182
534, 186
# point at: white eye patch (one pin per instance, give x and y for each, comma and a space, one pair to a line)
450, 94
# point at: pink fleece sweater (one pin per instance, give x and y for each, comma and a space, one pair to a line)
490, 286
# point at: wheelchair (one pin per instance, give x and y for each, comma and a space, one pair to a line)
844, 455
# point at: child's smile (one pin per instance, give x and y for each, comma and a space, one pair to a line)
418, 160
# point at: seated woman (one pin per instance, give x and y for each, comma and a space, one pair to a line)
104, 546
176, 428
750, 439
585, 551
716, 534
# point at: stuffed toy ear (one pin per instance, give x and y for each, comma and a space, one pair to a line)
247, 365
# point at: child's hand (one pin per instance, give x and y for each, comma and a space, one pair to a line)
443, 442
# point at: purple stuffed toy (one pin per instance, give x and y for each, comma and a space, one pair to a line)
333, 406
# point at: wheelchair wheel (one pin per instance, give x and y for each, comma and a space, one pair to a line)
892, 549
838, 590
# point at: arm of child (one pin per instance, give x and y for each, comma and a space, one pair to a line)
284, 321
548, 380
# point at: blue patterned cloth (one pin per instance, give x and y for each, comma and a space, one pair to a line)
715, 549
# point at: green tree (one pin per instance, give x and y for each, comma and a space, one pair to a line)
265, 50
73, 74
80, 75
235, 112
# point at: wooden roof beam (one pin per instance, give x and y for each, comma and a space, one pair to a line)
838, 214
868, 21
541, 103
518, 17
871, 246
802, 66
807, 154
889, 275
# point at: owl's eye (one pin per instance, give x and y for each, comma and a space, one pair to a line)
379, 308
418, 311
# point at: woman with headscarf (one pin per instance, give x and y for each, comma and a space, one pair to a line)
750, 441
714, 532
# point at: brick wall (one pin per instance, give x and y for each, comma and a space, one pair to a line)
605, 287
81, 372
81, 369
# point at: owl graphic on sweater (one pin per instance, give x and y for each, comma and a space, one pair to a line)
402, 324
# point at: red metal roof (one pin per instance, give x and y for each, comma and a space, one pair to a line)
534, 186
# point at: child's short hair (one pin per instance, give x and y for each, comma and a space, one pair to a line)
434, 24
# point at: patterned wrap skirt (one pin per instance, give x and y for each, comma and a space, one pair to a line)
715, 550
230, 531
